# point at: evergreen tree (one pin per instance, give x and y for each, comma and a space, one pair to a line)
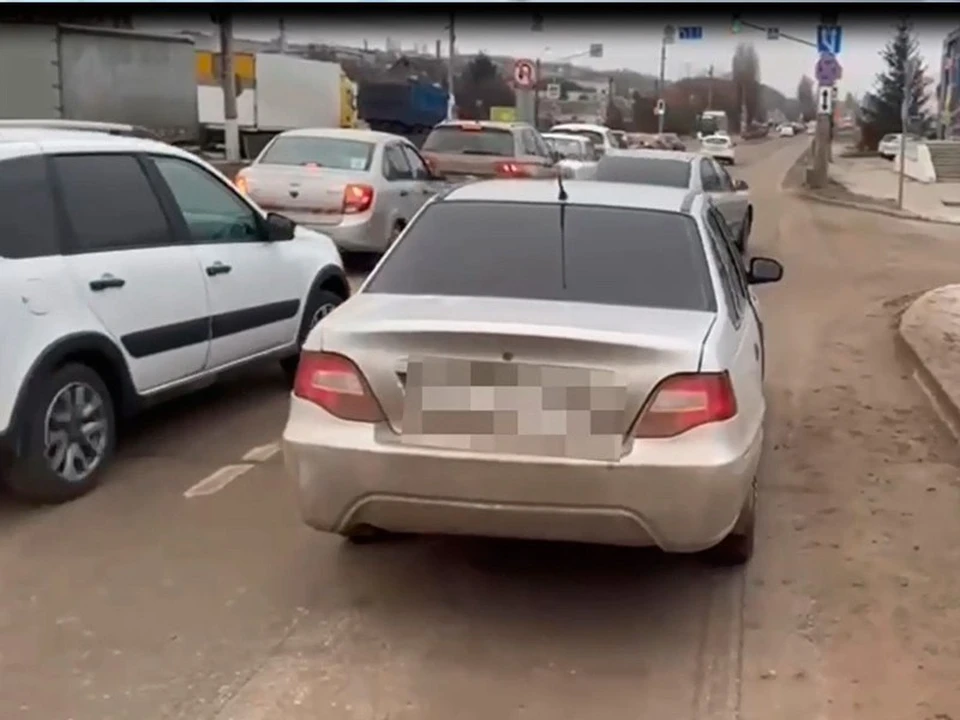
881, 108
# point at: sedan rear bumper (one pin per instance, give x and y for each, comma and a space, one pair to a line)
355, 234
655, 495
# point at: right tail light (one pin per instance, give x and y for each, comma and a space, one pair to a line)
683, 402
512, 170
357, 198
337, 385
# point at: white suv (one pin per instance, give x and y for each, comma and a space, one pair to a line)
128, 269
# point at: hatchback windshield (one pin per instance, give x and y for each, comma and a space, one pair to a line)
470, 141
644, 171
536, 251
334, 153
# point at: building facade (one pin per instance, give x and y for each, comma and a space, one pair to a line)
948, 121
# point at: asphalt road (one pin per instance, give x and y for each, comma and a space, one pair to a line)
147, 601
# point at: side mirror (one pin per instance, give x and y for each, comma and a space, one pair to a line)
279, 227
741, 185
764, 270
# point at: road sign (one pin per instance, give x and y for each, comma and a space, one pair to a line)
829, 39
690, 32
524, 74
773, 33
669, 34
828, 69
825, 100
553, 91
596, 50
660, 108
503, 113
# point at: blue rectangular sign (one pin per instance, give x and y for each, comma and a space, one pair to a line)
690, 32
829, 39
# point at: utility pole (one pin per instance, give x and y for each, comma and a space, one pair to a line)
908, 73
451, 106
283, 36
228, 81
663, 71
710, 89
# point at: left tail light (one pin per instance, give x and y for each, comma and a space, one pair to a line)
357, 198
337, 385
683, 402
240, 182
512, 170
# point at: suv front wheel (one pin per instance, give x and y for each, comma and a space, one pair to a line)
68, 436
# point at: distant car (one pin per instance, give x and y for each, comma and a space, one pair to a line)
672, 141
602, 137
720, 148
467, 150
621, 138
685, 170
640, 343
889, 145
786, 131
577, 157
359, 187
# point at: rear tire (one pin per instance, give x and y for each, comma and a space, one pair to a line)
737, 547
320, 303
66, 403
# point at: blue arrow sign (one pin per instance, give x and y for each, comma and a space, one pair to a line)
829, 39
691, 32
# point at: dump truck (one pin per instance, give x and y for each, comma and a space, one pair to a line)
71, 72
404, 107
274, 93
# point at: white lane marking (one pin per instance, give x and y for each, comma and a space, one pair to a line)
217, 480
262, 453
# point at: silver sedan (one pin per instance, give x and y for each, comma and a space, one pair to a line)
581, 365
577, 157
695, 172
359, 187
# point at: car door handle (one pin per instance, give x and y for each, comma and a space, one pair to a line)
218, 268
756, 352
107, 281
404, 193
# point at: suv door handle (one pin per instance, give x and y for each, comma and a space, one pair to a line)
107, 281
218, 268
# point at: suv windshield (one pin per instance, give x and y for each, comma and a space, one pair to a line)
644, 171
326, 152
479, 140
607, 255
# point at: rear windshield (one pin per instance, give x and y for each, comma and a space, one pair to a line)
644, 171
470, 141
716, 140
591, 135
612, 256
567, 147
334, 153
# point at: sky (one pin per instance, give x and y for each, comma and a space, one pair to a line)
630, 41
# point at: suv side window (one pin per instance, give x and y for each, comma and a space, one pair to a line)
28, 220
213, 213
726, 182
420, 170
726, 271
395, 165
110, 204
720, 227
708, 176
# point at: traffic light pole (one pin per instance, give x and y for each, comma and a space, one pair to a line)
661, 117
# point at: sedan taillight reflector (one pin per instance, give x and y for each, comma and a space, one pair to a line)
683, 402
336, 384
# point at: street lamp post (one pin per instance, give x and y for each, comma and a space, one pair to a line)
664, 41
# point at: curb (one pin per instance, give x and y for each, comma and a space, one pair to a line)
943, 403
865, 207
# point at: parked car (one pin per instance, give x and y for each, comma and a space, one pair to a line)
889, 145
786, 131
648, 307
720, 148
577, 155
132, 270
602, 137
466, 150
685, 170
359, 187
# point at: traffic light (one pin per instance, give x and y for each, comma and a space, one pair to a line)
735, 24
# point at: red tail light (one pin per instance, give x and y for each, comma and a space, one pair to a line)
334, 383
512, 170
683, 402
357, 198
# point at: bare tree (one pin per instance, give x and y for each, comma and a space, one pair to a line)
806, 99
746, 78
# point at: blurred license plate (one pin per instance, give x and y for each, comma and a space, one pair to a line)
514, 408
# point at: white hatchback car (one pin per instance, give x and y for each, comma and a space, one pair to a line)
720, 148
130, 269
